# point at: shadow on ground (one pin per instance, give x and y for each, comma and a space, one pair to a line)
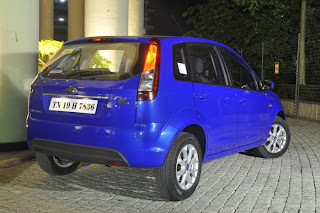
131, 182
7, 175
250, 153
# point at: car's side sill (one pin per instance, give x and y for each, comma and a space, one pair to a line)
231, 151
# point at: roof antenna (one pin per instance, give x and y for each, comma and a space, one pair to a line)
175, 21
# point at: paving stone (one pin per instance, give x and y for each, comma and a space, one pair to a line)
236, 183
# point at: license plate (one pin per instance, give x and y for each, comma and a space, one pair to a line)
73, 105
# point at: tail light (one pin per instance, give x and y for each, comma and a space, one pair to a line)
149, 80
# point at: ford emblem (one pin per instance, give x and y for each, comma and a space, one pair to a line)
71, 90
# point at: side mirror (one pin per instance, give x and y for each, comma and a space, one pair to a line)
266, 84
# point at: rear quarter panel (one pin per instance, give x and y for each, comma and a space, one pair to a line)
174, 104
173, 96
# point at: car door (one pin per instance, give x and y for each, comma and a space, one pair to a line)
254, 107
214, 101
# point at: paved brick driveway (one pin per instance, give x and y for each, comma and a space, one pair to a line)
237, 183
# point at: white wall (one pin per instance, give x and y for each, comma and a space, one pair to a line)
19, 36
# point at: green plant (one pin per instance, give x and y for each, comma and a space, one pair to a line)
98, 61
47, 48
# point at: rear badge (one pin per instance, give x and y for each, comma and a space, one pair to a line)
122, 100
71, 90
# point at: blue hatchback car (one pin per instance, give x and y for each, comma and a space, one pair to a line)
171, 103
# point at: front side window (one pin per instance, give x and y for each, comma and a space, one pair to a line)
241, 77
205, 64
100, 61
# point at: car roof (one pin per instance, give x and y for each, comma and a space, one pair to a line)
146, 39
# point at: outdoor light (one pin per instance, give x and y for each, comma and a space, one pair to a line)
61, 19
62, 1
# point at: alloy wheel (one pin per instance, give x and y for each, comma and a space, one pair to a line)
187, 167
277, 139
62, 162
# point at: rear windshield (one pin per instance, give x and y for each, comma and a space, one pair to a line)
97, 61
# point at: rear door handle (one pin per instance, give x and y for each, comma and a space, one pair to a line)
203, 96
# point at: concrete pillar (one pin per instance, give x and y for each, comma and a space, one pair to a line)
136, 17
106, 18
19, 36
75, 19
46, 19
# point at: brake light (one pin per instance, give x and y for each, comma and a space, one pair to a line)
100, 39
97, 39
149, 80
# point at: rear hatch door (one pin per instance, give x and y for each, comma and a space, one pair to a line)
90, 84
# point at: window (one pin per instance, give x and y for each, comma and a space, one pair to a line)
241, 77
106, 59
205, 64
97, 61
179, 63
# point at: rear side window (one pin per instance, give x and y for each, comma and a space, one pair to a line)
241, 77
180, 70
98, 61
205, 64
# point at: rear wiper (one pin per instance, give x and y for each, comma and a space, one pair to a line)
88, 73
61, 70
78, 63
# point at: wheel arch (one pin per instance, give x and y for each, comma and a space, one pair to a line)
188, 121
199, 133
276, 109
281, 115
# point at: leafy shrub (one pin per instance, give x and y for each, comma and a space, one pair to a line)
47, 48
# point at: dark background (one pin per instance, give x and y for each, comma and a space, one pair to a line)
162, 17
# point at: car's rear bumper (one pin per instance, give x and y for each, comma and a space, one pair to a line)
76, 152
142, 145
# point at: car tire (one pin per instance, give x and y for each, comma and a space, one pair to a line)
55, 166
277, 142
179, 176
